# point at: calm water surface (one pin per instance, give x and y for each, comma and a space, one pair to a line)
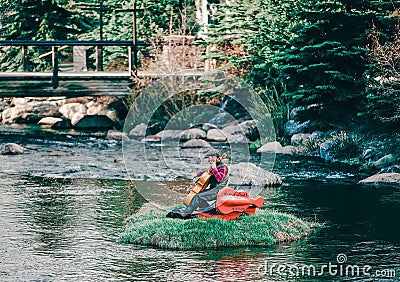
64, 201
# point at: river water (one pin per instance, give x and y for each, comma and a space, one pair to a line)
64, 201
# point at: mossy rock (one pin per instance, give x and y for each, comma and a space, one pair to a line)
265, 228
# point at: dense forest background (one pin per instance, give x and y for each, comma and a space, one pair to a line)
336, 62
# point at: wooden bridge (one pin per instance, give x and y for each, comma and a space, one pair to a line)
76, 84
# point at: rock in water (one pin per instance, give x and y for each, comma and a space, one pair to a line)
196, 143
139, 131
389, 178
207, 126
11, 149
249, 127
151, 138
271, 147
54, 123
94, 122
169, 134
252, 175
193, 133
232, 129
216, 135
117, 135
289, 150
238, 138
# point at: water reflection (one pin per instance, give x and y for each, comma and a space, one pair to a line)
50, 210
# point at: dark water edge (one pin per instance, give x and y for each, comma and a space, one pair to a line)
64, 201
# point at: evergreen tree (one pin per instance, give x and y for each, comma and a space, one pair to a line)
245, 37
37, 20
325, 63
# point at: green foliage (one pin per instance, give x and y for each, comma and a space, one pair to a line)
265, 228
345, 146
312, 145
246, 37
36, 20
158, 19
158, 102
261, 27
325, 64
254, 146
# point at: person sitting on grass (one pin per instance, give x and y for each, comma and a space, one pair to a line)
218, 180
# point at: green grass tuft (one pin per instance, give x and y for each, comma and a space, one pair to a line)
265, 228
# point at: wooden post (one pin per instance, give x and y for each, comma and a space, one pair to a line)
54, 61
134, 37
99, 58
99, 49
133, 52
131, 64
24, 59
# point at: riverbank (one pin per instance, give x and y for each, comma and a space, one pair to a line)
371, 153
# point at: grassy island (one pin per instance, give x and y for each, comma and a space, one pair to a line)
265, 228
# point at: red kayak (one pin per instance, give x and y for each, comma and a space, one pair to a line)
231, 204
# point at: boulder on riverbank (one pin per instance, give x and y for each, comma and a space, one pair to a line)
265, 228
47, 110
71, 109
11, 149
29, 112
243, 132
386, 178
385, 161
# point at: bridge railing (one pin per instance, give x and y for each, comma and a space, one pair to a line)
57, 46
